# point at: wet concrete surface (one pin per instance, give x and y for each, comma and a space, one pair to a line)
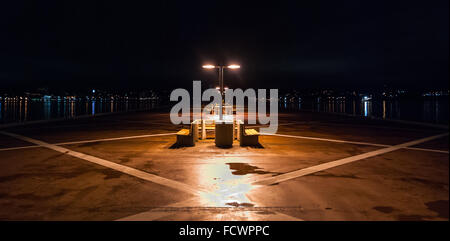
42, 184
10, 142
439, 144
45, 185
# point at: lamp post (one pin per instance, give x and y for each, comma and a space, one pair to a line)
221, 67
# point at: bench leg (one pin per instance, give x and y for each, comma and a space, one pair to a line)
203, 130
185, 140
249, 140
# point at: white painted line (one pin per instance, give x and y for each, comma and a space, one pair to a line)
329, 140
354, 142
113, 139
328, 165
89, 141
167, 134
146, 122
288, 124
426, 149
17, 148
159, 213
121, 168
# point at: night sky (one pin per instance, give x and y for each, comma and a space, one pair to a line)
280, 44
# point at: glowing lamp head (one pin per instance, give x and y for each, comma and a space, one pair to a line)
208, 66
234, 66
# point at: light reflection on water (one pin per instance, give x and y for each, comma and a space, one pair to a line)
367, 108
22, 110
422, 110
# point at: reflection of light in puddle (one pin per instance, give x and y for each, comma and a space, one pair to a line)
225, 188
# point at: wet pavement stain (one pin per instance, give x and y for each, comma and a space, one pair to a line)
426, 182
244, 168
110, 174
326, 174
440, 207
34, 197
265, 212
42, 176
384, 209
51, 158
85, 192
236, 204
124, 159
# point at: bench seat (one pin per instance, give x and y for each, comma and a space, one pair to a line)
248, 137
251, 132
183, 132
188, 137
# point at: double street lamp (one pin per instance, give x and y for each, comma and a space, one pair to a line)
221, 67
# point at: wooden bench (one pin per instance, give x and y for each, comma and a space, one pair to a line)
248, 137
188, 137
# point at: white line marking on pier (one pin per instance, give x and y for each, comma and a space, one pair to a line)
425, 149
158, 213
113, 139
168, 134
121, 168
354, 142
89, 141
328, 165
149, 215
17, 148
329, 140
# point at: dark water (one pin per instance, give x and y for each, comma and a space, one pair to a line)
13, 111
429, 110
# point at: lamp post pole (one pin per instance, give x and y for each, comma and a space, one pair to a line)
222, 90
221, 80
